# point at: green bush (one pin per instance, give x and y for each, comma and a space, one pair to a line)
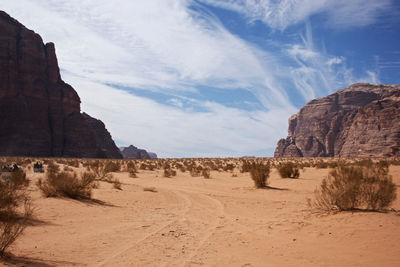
356, 187
259, 173
288, 170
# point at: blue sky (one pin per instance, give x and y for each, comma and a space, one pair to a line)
212, 78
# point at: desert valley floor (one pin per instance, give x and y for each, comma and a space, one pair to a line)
192, 221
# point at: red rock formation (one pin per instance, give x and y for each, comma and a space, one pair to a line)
361, 120
39, 113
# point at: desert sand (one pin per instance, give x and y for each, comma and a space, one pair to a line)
192, 221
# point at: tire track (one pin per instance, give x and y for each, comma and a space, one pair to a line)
124, 249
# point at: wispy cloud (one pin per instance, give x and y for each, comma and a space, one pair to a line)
175, 48
316, 72
155, 45
282, 14
175, 132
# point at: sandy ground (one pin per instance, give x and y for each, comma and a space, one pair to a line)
192, 221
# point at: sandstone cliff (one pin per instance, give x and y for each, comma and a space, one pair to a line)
359, 121
40, 113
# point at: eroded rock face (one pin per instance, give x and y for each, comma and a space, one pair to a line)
39, 113
359, 121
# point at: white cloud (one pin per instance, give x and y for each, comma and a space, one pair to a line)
335, 61
167, 47
172, 132
155, 45
341, 14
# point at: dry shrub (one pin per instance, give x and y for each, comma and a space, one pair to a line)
246, 166
259, 173
169, 173
194, 172
229, 167
109, 178
356, 187
112, 166
288, 170
131, 167
15, 211
206, 173
67, 184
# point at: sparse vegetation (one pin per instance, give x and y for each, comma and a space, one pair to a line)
259, 173
206, 173
15, 210
67, 184
365, 186
288, 170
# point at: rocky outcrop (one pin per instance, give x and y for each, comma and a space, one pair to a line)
40, 113
359, 121
132, 152
102, 137
152, 155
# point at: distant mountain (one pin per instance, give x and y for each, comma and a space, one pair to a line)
360, 121
132, 152
39, 113
152, 155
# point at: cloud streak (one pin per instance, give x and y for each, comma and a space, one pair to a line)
176, 48
340, 14
172, 132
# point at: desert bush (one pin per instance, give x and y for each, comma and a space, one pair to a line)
206, 173
196, 171
15, 211
229, 167
112, 166
109, 178
356, 187
246, 166
67, 184
288, 170
259, 173
131, 167
169, 172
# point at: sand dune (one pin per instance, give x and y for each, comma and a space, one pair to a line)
192, 221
